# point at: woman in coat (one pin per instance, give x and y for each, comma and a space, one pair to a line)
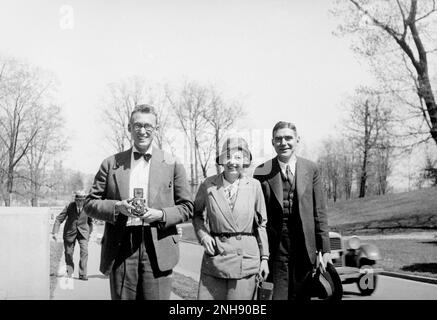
230, 222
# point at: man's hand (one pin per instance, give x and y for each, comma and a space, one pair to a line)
124, 208
264, 269
152, 215
208, 243
325, 259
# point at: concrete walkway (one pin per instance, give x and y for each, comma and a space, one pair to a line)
96, 288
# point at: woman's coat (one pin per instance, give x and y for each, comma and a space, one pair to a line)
237, 256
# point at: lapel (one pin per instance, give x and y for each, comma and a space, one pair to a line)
276, 181
219, 196
156, 174
76, 209
241, 203
301, 178
122, 173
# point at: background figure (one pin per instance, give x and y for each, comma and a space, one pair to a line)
230, 222
139, 253
297, 222
77, 227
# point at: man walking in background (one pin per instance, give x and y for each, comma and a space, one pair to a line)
297, 224
78, 226
140, 243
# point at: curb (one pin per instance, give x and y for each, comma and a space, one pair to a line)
191, 242
409, 277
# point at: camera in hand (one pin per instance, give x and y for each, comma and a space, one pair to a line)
139, 202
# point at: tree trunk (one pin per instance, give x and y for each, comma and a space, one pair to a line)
34, 192
34, 201
9, 187
8, 200
425, 91
196, 163
335, 190
217, 149
363, 177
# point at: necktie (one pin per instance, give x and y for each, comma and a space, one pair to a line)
289, 175
146, 156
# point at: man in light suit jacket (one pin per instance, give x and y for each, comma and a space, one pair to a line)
139, 253
77, 227
297, 225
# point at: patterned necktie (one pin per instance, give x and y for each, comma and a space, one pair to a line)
289, 175
146, 156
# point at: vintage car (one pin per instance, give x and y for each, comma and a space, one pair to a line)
355, 262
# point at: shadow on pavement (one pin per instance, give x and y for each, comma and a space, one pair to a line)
351, 293
421, 267
97, 276
430, 242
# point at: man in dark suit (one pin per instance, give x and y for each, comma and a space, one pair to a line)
77, 227
297, 225
139, 253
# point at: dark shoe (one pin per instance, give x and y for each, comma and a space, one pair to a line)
82, 277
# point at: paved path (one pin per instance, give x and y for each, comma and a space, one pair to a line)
96, 288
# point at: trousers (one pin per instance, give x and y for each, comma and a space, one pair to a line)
135, 274
291, 267
69, 251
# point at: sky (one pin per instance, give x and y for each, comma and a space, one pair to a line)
279, 56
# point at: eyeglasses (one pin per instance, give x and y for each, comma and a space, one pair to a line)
138, 126
278, 139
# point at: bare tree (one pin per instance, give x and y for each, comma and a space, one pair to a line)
366, 127
123, 96
329, 163
48, 143
382, 165
429, 171
397, 37
337, 163
189, 106
23, 90
221, 115
205, 147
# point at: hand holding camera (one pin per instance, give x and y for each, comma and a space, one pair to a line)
138, 203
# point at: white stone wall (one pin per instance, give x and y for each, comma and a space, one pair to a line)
24, 253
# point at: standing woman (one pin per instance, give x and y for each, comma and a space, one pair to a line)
230, 222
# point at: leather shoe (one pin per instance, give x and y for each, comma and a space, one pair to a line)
82, 277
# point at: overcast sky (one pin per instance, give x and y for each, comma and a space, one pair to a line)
279, 56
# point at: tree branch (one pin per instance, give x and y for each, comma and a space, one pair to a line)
428, 13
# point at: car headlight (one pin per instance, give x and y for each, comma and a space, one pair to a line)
354, 242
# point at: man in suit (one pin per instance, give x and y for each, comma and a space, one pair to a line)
297, 225
77, 227
139, 253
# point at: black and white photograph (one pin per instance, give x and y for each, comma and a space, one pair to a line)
218, 153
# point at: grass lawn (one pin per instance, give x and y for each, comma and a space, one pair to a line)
185, 287
415, 210
418, 257
56, 254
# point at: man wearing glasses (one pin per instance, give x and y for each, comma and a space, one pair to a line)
297, 224
142, 194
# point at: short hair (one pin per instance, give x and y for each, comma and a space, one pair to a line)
283, 124
144, 108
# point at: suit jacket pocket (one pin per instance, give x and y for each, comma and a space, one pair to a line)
176, 239
219, 248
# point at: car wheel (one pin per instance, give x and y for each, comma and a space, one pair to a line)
367, 282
